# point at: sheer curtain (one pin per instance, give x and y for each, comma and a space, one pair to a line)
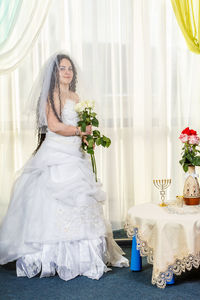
9, 11
144, 82
20, 25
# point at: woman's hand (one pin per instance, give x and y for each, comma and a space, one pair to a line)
87, 132
86, 142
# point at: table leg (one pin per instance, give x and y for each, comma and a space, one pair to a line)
172, 281
136, 260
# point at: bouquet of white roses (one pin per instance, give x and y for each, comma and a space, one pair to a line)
88, 117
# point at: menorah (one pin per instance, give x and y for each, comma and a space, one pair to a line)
162, 185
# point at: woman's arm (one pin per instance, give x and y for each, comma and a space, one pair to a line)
60, 128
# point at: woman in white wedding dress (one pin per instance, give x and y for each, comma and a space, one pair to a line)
55, 220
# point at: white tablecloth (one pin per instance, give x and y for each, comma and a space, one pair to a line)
170, 241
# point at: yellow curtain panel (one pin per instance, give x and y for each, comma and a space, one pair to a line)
188, 17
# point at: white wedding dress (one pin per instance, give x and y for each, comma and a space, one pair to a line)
55, 220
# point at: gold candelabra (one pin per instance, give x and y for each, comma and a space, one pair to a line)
162, 185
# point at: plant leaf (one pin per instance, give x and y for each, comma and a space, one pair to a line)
98, 141
185, 167
190, 157
90, 151
95, 122
108, 142
83, 127
196, 161
182, 161
90, 143
96, 133
103, 142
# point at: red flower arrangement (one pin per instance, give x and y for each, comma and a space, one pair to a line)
190, 155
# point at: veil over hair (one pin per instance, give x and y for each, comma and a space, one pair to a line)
43, 89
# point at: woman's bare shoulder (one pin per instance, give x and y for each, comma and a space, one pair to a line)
75, 97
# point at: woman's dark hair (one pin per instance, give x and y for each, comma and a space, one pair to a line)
55, 82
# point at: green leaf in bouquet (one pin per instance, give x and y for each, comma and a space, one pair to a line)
89, 137
90, 143
93, 114
103, 142
96, 133
90, 151
83, 127
108, 142
84, 115
95, 122
98, 141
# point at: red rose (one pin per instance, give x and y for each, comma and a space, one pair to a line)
186, 131
189, 131
193, 132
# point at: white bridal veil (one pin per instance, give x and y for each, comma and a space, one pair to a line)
40, 90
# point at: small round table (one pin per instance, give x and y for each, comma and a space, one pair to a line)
170, 238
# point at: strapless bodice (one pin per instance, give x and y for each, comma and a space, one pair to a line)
69, 117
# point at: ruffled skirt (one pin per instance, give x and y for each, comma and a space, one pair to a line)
55, 221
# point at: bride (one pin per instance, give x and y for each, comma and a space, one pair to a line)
55, 220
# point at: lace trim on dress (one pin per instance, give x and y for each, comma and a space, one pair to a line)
178, 267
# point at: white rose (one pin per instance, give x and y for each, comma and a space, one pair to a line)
89, 104
78, 107
84, 104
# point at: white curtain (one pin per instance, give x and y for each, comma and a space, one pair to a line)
27, 27
146, 90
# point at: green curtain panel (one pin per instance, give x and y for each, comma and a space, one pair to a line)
9, 11
188, 17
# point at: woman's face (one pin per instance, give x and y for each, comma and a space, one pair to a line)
65, 71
